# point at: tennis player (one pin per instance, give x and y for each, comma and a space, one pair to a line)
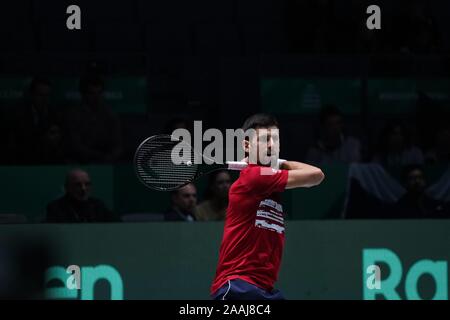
253, 238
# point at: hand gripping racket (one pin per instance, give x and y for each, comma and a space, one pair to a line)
156, 170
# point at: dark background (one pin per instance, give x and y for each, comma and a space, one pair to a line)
209, 60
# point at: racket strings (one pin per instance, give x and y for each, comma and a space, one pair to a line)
155, 167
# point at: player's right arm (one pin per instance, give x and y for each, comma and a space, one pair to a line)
302, 175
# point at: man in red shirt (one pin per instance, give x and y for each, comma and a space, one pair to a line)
253, 238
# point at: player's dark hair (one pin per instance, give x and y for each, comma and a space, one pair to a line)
260, 120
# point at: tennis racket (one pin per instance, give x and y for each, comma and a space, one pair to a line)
156, 170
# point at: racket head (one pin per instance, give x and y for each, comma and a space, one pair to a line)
154, 166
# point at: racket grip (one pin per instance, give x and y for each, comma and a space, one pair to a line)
236, 165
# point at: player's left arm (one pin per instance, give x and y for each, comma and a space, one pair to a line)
302, 174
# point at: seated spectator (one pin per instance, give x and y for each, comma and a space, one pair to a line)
37, 135
77, 205
216, 197
440, 151
415, 203
395, 147
183, 202
94, 129
332, 145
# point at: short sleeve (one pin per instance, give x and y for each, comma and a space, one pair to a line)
265, 181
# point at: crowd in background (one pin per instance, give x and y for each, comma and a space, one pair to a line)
37, 131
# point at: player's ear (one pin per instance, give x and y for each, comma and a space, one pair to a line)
246, 146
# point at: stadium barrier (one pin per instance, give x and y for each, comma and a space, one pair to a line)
322, 259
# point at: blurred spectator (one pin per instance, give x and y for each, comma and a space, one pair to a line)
77, 205
37, 135
216, 197
183, 202
94, 129
416, 203
395, 147
440, 151
333, 145
24, 260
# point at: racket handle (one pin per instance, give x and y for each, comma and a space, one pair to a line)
236, 165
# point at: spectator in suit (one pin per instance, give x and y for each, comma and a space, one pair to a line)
216, 197
77, 205
183, 202
37, 136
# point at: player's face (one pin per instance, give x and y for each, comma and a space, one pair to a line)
265, 145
